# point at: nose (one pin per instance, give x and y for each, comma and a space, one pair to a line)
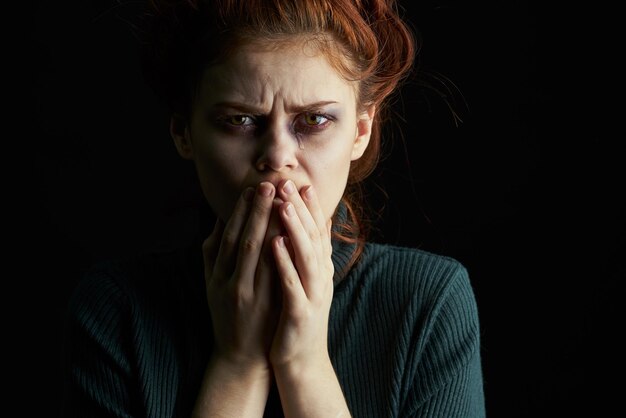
278, 149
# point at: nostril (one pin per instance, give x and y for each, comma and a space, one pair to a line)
277, 160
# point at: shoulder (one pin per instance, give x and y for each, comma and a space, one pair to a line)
414, 286
124, 284
413, 271
437, 312
408, 256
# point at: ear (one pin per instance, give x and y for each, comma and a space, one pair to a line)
179, 130
364, 132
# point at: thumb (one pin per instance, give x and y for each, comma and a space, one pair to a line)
210, 248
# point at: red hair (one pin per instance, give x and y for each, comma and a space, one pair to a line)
365, 40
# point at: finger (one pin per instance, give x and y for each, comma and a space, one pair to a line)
289, 246
274, 228
266, 269
306, 258
210, 247
266, 280
291, 285
312, 203
226, 256
289, 193
252, 238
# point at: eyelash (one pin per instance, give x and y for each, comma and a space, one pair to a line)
303, 129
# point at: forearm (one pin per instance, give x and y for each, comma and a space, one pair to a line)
311, 392
232, 391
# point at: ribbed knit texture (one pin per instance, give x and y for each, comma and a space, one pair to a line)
403, 336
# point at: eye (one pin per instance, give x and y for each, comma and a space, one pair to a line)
239, 120
312, 123
314, 119
236, 123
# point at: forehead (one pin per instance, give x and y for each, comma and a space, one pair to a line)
293, 72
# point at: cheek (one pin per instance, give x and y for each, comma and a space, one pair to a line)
329, 175
220, 177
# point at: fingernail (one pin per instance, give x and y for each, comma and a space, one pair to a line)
308, 193
289, 209
265, 189
281, 242
248, 194
289, 188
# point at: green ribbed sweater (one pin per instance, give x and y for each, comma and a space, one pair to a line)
403, 336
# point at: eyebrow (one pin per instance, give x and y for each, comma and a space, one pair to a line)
257, 110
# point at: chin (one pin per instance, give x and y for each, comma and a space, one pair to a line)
221, 209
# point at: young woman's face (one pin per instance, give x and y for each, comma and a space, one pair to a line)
269, 115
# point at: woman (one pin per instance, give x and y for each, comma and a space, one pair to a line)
279, 105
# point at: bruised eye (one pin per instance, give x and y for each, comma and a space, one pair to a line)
236, 123
239, 120
314, 119
312, 123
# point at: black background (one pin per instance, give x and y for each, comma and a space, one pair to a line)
526, 191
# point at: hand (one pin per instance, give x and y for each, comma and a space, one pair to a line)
239, 269
305, 268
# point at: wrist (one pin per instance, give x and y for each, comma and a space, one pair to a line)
297, 370
310, 389
232, 389
240, 369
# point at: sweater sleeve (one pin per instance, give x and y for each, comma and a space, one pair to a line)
448, 379
98, 367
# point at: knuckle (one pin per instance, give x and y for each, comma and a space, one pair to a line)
299, 314
249, 245
260, 208
238, 297
314, 235
309, 258
290, 281
206, 245
229, 239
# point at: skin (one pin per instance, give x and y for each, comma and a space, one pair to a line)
272, 134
